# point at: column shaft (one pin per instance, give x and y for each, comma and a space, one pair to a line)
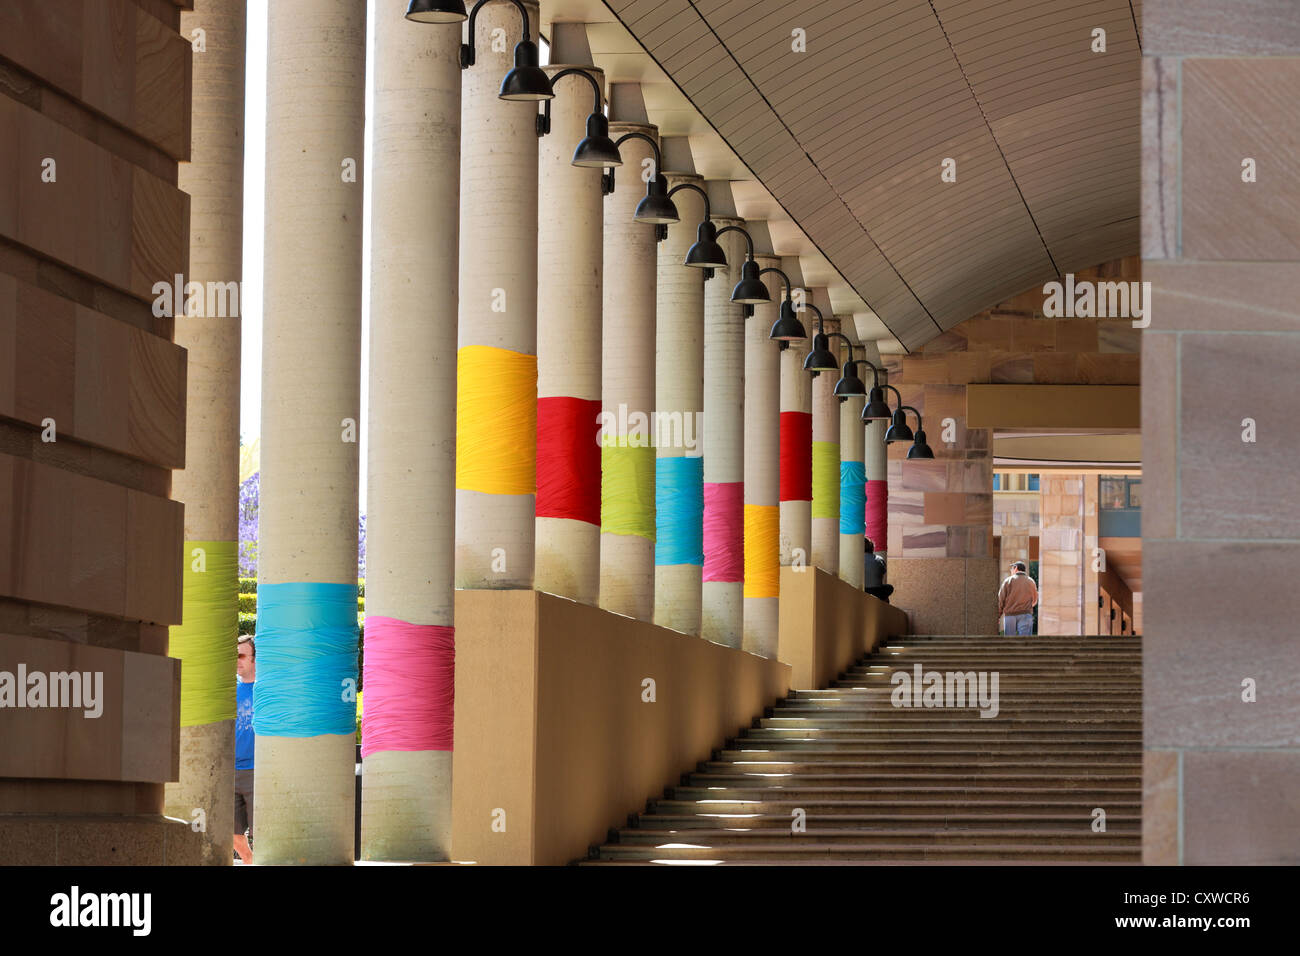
722, 619
214, 178
852, 490
570, 228
311, 346
411, 498
826, 464
796, 455
496, 369
679, 412
762, 472
627, 539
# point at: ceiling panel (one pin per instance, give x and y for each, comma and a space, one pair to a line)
848, 136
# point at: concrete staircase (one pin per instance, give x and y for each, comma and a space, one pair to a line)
885, 784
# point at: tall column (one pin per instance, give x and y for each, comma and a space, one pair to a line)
214, 178
679, 410
627, 516
853, 484
826, 464
570, 228
411, 497
304, 795
496, 364
796, 454
762, 471
724, 448
875, 460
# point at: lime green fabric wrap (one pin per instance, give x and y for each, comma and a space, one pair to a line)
205, 641
627, 488
826, 479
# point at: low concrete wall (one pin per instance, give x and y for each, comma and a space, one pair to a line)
826, 625
555, 741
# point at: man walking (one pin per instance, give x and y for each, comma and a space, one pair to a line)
1017, 598
246, 670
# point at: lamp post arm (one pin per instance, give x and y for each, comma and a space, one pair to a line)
467, 49
607, 181
749, 240
544, 118
707, 214
784, 277
875, 372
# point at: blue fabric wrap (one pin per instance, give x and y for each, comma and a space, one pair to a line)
853, 498
679, 511
306, 660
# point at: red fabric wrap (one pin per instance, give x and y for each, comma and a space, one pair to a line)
796, 456
878, 513
568, 459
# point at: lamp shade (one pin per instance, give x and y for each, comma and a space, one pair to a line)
656, 207
876, 409
899, 430
436, 11
787, 327
750, 289
526, 82
597, 150
706, 253
919, 448
849, 383
821, 358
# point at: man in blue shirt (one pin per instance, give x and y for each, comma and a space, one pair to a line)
245, 670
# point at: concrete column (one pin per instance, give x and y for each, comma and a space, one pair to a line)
762, 471
796, 453
627, 539
311, 369
724, 442
208, 485
570, 230
496, 385
876, 460
679, 407
826, 461
411, 498
852, 488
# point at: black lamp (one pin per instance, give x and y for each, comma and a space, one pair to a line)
706, 253
821, 358
750, 289
919, 448
436, 11
787, 328
525, 82
656, 207
596, 150
899, 430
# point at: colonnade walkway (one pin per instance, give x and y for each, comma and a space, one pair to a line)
847, 775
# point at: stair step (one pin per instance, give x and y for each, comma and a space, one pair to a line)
901, 852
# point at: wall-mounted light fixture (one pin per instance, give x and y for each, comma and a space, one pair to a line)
821, 358
787, 328
750, 290
705, 253
596, 150
526, 82
436, 11
656, 208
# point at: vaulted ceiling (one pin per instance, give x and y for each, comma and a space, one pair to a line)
850, 137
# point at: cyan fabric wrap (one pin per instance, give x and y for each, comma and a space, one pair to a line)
306, 656
853, 497
679, 511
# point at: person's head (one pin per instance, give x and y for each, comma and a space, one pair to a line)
246, 665
1018, 567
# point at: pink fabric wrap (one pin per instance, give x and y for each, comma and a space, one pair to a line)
878, 513
408, 686
724, 531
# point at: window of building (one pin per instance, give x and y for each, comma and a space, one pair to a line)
1033, 482
1113, 493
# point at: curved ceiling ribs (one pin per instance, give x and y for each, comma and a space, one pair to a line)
849, 136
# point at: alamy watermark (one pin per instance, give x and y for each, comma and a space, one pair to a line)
652, 429
1098, 300
74, 690
923, 688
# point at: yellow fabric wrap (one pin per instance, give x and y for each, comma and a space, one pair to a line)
496, 421
762, 551
826, 479
627, 487
206, 641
